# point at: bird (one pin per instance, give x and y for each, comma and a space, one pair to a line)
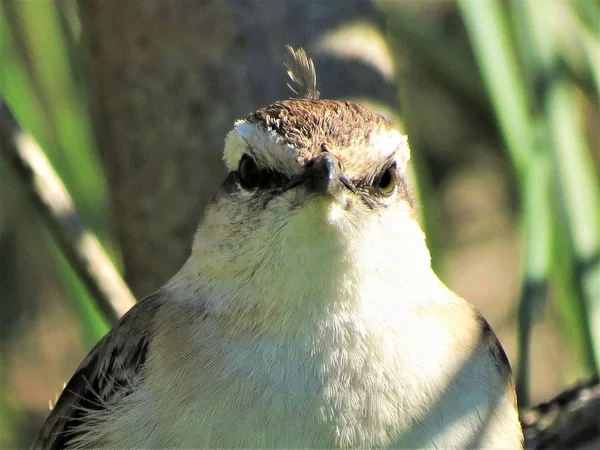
307, 314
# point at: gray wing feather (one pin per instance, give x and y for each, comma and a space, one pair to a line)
105, 376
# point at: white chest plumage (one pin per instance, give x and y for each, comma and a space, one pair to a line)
357, 353
358, 379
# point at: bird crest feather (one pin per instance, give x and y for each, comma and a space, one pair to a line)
301, 70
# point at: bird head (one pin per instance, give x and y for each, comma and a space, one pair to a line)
316, 190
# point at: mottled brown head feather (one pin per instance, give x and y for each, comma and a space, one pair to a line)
308, 125
302, 73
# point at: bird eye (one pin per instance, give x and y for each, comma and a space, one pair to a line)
386, 182
250, 174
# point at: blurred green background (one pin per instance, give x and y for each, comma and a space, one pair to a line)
499, 100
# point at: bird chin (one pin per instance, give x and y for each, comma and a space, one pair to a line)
326, 209
328, 201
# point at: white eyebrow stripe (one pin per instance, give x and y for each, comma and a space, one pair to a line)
272, 152
268, 148
388, 142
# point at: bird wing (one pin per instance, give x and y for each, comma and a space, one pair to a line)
498, 356
104, 377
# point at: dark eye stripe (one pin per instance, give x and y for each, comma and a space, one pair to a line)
269, 179
231, 183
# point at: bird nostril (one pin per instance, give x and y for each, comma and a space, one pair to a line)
310, 163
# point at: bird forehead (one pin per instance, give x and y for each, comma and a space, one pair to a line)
285, 135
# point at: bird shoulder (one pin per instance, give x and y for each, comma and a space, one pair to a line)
108, 374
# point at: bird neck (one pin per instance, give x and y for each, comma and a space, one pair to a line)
302, 281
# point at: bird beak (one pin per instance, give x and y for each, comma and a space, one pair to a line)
324, 175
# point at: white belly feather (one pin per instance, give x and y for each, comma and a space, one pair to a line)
354, 383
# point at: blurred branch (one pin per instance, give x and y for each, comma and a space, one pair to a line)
570, 420
81, 247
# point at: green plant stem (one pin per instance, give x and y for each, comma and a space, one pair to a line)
579, 196
488, 29
577, 187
